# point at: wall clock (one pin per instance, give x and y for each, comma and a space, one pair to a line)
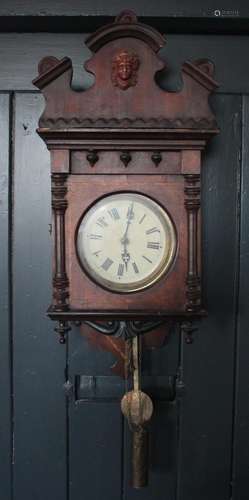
126, 165
126, 242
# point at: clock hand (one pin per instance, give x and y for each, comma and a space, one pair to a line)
130, 216
130, 213
125, 258
124, 240
125, 255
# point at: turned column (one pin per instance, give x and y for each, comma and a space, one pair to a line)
59, 206
192, 205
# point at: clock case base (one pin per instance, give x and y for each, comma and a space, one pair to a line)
126, 326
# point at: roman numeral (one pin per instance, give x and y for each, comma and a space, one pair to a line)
130, 212
101, 222
120, 269
153, 245
114, 213
135, 267
146, 258
108, 262
142, 219
95, 237
153, 230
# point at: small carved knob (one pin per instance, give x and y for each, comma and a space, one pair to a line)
126, 17
92, 157
62, 329
156, 158
125, 157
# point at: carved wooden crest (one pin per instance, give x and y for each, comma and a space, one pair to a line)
125, 58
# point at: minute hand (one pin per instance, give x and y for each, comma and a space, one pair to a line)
124, 239
130, 216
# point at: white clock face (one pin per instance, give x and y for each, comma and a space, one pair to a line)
126, 242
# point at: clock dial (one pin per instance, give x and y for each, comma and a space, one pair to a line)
126, 242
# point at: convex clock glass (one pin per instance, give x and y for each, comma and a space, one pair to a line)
126, 242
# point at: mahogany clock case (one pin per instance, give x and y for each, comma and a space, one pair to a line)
167, 184
126, 134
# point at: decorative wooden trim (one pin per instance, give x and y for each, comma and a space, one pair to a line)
50, 68
156, 158
202, 71
126, 75
126, 139
125, 25
192, 205
125, 329
125, 157
59, 206
92, 157
139, 122
124, 315
60, 161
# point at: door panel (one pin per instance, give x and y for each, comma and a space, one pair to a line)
95, 425
207, 408
5, 305
39, 361
241, 435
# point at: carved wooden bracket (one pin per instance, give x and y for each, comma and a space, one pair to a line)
154, 339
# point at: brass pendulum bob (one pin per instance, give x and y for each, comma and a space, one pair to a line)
137, 407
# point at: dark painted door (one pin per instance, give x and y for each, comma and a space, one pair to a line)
60, 439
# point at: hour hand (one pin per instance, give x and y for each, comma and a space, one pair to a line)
124, 240
125, 257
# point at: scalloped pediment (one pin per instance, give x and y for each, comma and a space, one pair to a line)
125, 93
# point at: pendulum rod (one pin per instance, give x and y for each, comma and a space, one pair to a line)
136, 342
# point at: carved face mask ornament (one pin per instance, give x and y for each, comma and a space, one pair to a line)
124, 70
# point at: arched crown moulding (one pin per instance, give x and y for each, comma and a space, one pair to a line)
125, 93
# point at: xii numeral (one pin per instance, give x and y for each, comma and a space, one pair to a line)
130, 212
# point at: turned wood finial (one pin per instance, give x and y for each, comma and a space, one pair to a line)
126, 17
